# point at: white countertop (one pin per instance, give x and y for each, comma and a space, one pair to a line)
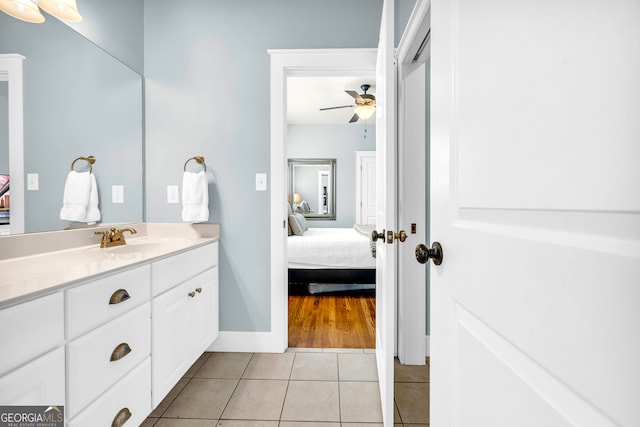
37, 270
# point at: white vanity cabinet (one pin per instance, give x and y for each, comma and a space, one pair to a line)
112, 336
185, 315
32, 356
108, 336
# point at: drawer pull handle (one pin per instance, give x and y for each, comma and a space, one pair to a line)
192, 294
121, 417
198, 290
119, 296
120, 351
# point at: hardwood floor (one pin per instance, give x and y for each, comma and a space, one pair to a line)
332, 320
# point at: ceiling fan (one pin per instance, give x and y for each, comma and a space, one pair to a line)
365, 104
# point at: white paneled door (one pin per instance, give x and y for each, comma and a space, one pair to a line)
385, 217
535, 198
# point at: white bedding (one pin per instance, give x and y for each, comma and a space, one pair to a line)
330, 248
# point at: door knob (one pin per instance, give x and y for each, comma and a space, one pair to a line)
401, 235
423, 253
375, 235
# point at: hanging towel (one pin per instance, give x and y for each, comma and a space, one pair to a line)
93, 212
80, 198
195, 197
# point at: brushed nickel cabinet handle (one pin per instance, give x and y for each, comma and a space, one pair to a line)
192, 294
121, 417
120, 351
121, 295
198, 290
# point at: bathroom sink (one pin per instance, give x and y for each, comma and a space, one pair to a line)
143, 246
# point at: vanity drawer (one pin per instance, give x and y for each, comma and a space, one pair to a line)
97, 302
132, 394
171, 271
90, 368
30, 329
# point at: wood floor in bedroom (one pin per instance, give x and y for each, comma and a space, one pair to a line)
333, 320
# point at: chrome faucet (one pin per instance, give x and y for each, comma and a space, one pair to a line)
114, 237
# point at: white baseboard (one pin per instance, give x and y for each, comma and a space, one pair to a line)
427, 346
246, 342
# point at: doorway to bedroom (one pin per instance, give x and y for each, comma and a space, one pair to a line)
330, 258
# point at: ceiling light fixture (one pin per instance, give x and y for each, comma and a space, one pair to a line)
365, 111
27, 10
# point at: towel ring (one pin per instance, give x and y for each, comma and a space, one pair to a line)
91, 160
199, 160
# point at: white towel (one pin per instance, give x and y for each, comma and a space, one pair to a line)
80, 200
195, 197
93, 212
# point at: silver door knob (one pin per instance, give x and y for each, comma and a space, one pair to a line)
423, 253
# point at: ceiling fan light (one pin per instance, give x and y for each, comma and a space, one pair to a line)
365, 111
24, 10
67, 10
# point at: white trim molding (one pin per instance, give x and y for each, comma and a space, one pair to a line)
11, 72
246, 342
285, 63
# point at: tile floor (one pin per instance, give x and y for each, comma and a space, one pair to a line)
299, 388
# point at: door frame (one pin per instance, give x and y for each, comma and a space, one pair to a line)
285, 63
412, 340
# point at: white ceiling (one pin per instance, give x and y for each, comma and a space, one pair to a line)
306, 95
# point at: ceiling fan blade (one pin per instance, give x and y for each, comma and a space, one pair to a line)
354, 119
353, 93
333, 108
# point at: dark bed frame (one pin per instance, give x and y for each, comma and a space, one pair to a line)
332, 275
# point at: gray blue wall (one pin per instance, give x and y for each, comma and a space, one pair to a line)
117, 27
338, 142
207, 92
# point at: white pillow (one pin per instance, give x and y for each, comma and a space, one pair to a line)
296, 225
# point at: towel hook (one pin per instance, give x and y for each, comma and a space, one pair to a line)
198, 159
91, 160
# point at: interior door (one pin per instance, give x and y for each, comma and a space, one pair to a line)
385, 216
366, 187
535, 198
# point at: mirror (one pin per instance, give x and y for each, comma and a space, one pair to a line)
78, 101
312, 188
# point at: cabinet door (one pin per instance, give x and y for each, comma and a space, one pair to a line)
205, 325
40, 382
171, 338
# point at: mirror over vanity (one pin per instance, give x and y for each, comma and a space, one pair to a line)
312, 188
78, 100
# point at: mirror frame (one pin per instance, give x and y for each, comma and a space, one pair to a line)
11, 72
331, 163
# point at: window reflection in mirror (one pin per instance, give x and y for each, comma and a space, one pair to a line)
312, 188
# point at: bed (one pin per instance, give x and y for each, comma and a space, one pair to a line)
332, 259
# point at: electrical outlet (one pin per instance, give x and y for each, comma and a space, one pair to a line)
117, 194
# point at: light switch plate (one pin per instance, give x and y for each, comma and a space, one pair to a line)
117, 194
32, 182
261, 182
172, 194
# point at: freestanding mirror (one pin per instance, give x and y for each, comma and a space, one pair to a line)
312, 188
12, 221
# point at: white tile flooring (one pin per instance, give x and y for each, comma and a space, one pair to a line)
299, 388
